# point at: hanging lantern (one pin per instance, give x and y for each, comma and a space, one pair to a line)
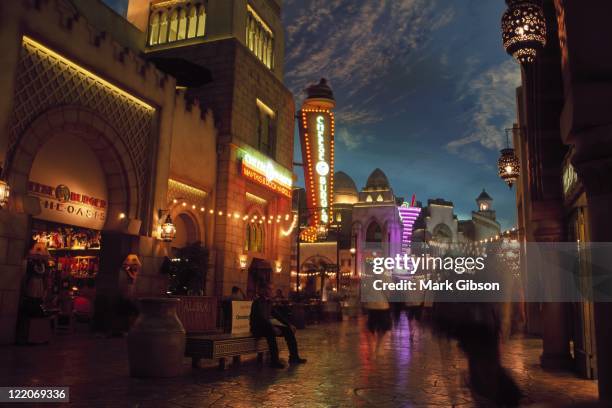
524, 29
168, 230
5, 192
508, 166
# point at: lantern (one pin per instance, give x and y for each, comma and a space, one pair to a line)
524, 29
278, 266
508, 166
168, 230
5, 191
242, 261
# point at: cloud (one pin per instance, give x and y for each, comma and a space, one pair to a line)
352, 140
493, 97
355, 44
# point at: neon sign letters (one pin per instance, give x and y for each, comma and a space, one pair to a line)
264, 171
317, 134
322, 169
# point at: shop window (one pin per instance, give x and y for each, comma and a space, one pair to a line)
259, 38
255, 237
176, 23
266, 129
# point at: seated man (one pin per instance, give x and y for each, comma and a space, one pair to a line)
267, 322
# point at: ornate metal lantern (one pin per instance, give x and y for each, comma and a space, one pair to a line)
5, 192
168, 230
508, 165
524, 29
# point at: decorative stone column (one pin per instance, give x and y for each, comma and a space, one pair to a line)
555, 330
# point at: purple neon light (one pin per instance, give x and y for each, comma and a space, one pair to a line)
408, 216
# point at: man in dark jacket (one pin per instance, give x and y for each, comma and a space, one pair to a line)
267, 322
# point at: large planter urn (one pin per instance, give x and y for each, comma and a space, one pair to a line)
156, 342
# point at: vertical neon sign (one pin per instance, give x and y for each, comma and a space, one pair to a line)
317, 140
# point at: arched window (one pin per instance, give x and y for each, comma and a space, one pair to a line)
201, 21
259, 38
154, 29
380, 198
255, 237
193, 22
163, 28
182, 25
168, 24
173, 26
369, 198
442, 233
374, 233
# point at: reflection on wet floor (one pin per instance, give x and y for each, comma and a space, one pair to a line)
342, 370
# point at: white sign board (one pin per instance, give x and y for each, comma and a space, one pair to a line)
241, 312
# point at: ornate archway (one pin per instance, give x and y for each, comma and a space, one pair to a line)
125, 194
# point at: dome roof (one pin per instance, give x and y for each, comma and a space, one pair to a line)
345, 190
377, 181
484, 196
343, 183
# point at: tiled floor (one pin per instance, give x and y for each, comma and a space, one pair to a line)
341, 371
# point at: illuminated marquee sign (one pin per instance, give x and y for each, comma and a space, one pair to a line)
317, 137
62, 205
260, 169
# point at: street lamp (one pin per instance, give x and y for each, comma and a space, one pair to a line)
508, 164
524, 29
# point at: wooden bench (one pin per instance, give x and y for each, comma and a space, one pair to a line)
222, 346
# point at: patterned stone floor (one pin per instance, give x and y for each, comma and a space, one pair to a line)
341, 371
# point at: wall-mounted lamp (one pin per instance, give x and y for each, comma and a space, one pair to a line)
167, 230
278, 266
353, 250
242, 261
5, 192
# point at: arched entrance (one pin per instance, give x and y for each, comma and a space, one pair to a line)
186, 230
76, 181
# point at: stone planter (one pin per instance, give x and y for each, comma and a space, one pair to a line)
156, 342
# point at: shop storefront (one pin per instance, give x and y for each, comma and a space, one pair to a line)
69, 187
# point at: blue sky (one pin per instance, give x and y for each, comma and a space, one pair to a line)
424, 91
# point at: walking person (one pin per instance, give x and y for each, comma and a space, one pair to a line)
379, 319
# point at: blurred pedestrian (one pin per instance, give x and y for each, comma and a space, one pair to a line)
379, 319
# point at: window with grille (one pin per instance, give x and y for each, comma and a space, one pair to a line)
259, 38
176, 23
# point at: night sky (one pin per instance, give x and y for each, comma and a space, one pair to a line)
424, 91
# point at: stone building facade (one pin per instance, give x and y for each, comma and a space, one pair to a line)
98, 147
564, 143
242, 48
